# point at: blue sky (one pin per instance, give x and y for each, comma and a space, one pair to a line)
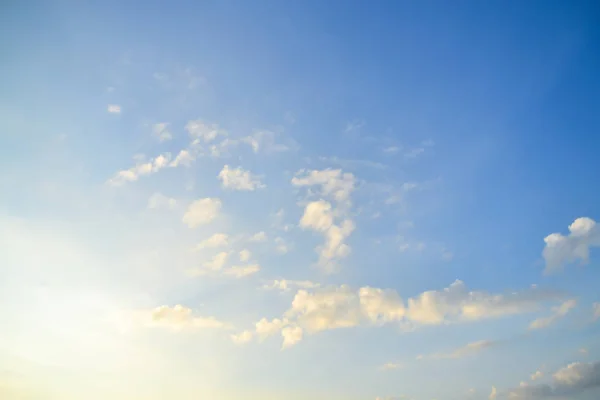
291, 200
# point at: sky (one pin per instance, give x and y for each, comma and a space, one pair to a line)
289, 200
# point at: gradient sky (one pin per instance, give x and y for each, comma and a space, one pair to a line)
290, 200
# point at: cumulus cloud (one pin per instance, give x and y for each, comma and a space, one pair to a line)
201, 131
291, 335
335, 307
161, 132
159, 200
463, 351
146, 168
114, 109
569, 381
239, 179
178, 318
321, 216
216, 240
558, 313
217, 262
184, 157
493, 394
245, 255
561, 250
242, 271
258, 237
242, 338
537, 375
333, 182
201, 211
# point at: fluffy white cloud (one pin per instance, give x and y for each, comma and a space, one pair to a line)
242, 271
202, 212
114, 108
159, 200
558, 313
239, 179
161, 132
333, 182
242, 338
291, 335
463, 351
265, 328
201, 131
336, 307
560, 250
217, 262
258, 237
184, 158
132, 174
216, 240
245, 255
319, 216
567, 382
180, 317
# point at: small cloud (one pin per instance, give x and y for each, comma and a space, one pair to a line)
216, 240
559, 312
561, 250
114, 109
245, 255
258, 237
161, 132
242, 338
217, 262
159, 200
242, 271
390, 366
537, 375
201, 212
239, 179
391, 150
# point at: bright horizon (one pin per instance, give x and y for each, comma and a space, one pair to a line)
284, 200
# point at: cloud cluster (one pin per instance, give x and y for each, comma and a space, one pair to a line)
569, 381
337, 307
558, 313
239, 179
560, 250
201, 211
321, 215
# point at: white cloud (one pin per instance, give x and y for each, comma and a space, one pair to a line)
333, 182
537, 375
184, 158
391, 150
286, 285
567, 382
114, 109
159, 200
242, 271
291, 335
202, 211
199, 130
561, 250
245, 255
239, 179
390, 366
217, 262
493, 394
132, 174
216, 240
258, 237
266, 328
336, 307
466, 350
319, 216
242, 338
180, 317
558, 313
161, 132
281, 246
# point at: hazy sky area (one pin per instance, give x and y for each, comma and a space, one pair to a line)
294, 200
